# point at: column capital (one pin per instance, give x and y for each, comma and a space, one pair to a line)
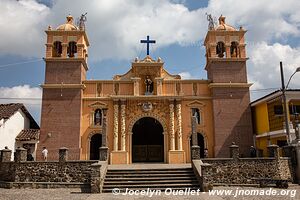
135, 78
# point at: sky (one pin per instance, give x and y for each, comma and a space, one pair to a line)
115, 27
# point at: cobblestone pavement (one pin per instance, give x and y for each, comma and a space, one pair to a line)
75, 194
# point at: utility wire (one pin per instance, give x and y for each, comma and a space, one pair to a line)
19, 63
38, 98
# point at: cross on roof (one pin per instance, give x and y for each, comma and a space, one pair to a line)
148, 41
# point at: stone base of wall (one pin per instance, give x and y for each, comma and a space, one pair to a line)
67, 174
85, 187
245, 171
118, 157
176, 157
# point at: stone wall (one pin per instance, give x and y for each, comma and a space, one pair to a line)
7, 171
245, 170
72, 171
54, 174
236, 170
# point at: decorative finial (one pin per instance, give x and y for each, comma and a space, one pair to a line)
222, 20
49, 28
159, 59
69, 19
136, 59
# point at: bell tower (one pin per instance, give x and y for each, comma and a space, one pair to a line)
66, 67
226, 69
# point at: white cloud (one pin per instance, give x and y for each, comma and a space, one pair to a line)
186, 75
115, 27
265, 19
22, 23
29, 96
263, 66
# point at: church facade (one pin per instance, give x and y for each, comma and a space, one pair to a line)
145, 114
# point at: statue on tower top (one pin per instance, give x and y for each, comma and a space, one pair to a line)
81, 21
211, 21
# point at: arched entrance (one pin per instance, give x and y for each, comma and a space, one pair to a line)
147, 141
95, 144
201, 144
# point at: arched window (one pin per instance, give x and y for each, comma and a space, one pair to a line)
234, 50
98, 117
220, 49
72, 49
196, 113
57, 49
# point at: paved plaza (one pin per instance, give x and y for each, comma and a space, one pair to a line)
75, 194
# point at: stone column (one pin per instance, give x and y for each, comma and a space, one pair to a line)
64, 50
123, 125
95, 178
116, 124
195, 147
206, 170
273, 151
234, 151
20, 154
227, 47
104, 124
103, 150
136, 85
5, 155
159, 86
179, 126
63, 154
172, 124
103, 153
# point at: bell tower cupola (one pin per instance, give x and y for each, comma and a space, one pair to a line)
67, 41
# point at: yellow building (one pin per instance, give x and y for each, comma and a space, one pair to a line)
269, 122
145, 114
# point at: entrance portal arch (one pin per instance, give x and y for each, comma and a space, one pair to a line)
148, 142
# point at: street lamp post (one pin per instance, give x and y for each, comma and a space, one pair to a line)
287, 127
285, 107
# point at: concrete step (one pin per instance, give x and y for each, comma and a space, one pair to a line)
149, 178
149, 171
156, 189
127, 182
142, 179
158, 185
146, 170
148, 175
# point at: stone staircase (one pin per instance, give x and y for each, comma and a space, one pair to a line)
142, 179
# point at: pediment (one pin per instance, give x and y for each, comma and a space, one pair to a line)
98, 104
196, 104
146, 67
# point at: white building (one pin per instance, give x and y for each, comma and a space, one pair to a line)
17, 128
